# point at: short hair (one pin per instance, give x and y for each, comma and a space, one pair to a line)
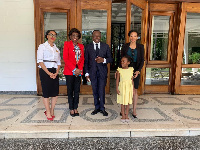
129, 33
96, 30
127, 57
76, 31
47, 33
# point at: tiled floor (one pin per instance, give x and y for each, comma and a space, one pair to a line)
158, 115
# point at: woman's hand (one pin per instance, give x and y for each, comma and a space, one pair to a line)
77, 72
50, 74
136, 74
55, 75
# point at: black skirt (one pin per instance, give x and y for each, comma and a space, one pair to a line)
50, 87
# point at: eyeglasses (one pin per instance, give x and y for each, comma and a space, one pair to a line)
53, 35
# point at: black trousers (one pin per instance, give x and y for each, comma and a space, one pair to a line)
98, 88
73, 90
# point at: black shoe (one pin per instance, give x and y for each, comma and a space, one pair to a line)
76, 114
95, 112
104, 113
134, 116
73, 115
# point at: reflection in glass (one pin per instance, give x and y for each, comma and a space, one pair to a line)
190, 76
117, 32
93, 20
192, 39
58, 22
159, 38
136, 19
157, 76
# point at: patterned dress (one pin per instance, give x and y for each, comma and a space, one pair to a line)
125, 86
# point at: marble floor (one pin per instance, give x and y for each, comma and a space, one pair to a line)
158, 115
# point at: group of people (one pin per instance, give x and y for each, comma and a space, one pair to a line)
93, 58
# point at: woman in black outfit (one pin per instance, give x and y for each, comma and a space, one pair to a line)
136, 52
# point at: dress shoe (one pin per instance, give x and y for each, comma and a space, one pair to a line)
73, 115
104, 113
51, 119
46, 114
76, 114
134, 116
95, 112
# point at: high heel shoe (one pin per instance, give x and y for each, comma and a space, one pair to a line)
46, 114
51, 119
134, 116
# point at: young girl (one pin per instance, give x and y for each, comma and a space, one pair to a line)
124, 87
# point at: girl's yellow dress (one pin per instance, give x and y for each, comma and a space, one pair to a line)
125, 86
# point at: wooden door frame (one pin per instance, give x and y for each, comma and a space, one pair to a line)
185, 89
169, 10
93, 5
54, 6
143, 4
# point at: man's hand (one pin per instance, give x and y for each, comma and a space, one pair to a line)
99, 59
88, 78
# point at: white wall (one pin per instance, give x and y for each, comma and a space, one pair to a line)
17, 46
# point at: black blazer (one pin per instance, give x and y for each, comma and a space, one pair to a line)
140, 54
90, 63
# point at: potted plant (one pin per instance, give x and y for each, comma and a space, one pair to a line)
195, 57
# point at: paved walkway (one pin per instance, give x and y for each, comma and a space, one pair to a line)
158, 115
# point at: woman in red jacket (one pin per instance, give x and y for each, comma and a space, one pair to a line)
73, 56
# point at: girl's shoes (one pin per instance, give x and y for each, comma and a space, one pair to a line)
127, 120
123, 120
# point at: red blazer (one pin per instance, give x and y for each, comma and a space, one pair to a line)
69, 58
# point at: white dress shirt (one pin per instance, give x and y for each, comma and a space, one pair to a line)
46, 52
98, 48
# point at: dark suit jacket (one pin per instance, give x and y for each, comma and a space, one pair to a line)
90, 63
140, 54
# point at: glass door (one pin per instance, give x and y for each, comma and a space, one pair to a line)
61, 16
160, 56
94, 15
188, 59
54, 16
136, 19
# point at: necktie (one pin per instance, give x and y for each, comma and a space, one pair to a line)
97, 50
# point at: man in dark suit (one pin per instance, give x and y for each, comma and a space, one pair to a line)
97, 55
